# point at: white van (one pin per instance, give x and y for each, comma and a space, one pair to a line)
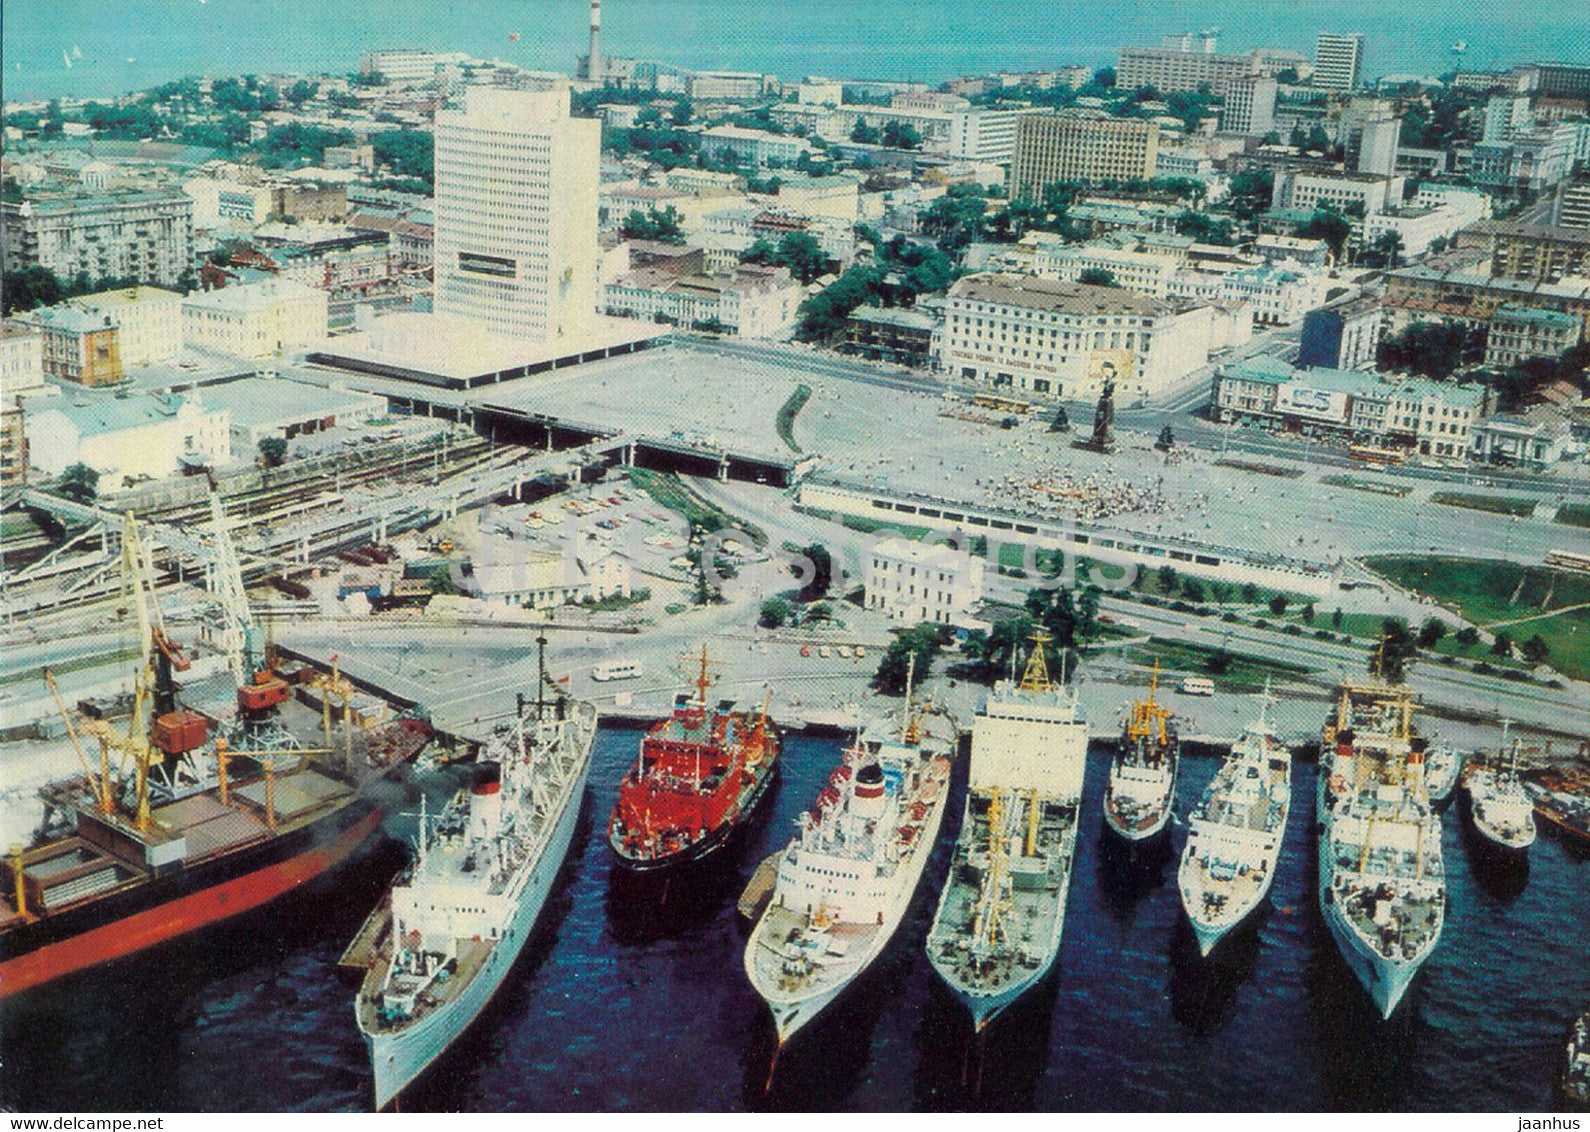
616, 670
1196, 686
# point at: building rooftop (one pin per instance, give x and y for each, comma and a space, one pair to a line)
99, 415
250, 297
894, 316
1556, 233
263, 401
69, 319
1559, 319
1050, 294
128, 296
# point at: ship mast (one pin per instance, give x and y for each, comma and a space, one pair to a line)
1036, 678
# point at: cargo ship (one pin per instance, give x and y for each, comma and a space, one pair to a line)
844, 883
440, 944
1382, 883
1562, 797
997, 929
700, 774
191, 825
1142, 785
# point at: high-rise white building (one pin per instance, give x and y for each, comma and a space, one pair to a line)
516, 206
1250, 106
1338, 60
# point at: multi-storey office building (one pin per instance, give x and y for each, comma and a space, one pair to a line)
1077, 146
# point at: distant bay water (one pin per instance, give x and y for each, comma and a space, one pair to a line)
101, 48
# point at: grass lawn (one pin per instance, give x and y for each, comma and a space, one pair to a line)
1365, 485
1574, 515
1246, 673
674, 494
1495, 504
785, 421
1487, 591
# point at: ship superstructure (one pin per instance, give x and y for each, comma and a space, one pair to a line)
1382, 885
844, 883
1142, 784
444, 939
997, 929
1234, 834
699, 775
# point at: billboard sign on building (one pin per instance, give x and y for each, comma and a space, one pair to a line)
1297, 400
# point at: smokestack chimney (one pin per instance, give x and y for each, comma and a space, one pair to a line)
593, 66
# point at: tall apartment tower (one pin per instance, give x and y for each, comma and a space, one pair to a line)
1076, 146
516, 187
1250, 106
1338, 60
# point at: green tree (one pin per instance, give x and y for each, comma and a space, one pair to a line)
684, 110
1278, 604
901, 136
1250, 193
1468, 636
1204, 228
1098, 277
1330, 226
1167, 439
1431, 632
1192, 589
1535, 650
1308, 613
803, 255
409, 153
1430, 349
1392, 658
1336, 618
301, 92
80, 482
1218, 661
653, 224
923, 642
1167, 579
1502, 645
273, 450
1250, 592
822, 572
775, 612
863, 134
1385, 250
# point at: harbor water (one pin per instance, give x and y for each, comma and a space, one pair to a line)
631, 996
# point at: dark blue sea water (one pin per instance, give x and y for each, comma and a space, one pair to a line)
633, 998
130, 44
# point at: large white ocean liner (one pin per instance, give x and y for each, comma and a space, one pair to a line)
456, 919
844, 883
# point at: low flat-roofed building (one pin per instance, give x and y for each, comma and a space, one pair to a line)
261, 407
147, 434
914, 582
757, 146
1143, 272
1518, 441
890, 334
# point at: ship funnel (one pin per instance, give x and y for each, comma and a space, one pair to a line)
867, 792
485, 803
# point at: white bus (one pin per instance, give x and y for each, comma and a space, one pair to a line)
1196, 686
616, 670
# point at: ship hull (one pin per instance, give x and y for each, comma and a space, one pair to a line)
399, 1057
166, 907
719, 836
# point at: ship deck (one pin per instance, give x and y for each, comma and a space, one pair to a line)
792, 962
472, 955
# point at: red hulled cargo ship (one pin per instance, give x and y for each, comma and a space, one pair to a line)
193, 825
700, 774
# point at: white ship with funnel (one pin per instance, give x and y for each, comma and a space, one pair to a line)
1502, 810
1139, 796
844, 883
454, 922
1382, 885
999, 920
1234, 835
